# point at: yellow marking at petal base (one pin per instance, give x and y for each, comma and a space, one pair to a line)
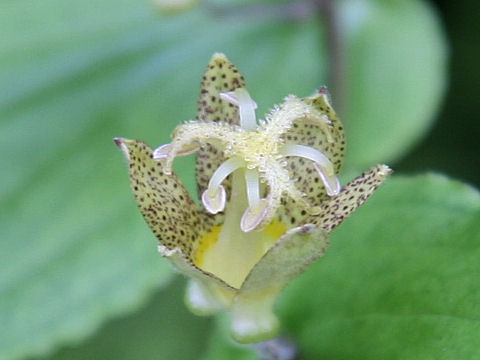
275, 229
206, 242
206, 248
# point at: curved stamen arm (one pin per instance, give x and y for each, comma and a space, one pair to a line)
253, 187
257, 207
214, 197
282, 117
162, 151
321, 163
309, 153
277, 179
246, 107
219, 134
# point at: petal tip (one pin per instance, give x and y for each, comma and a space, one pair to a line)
323, 90
385, 170
218, 56
307, 228
121, 143
118, 141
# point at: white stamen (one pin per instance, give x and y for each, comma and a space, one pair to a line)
321, 163
162, 151
214, 198
214, 202
257, 207
309, 153
253, 187
331, 182
231, 98
253, 216
246, 107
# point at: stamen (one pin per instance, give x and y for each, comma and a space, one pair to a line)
332, 183
321, 163
253, 216
162, 151
253, 187
214, 198
257, 207
214, 201
246, 107
309, 153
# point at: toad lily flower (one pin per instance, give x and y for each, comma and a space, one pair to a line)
269, 196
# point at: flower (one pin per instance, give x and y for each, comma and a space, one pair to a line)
269, 191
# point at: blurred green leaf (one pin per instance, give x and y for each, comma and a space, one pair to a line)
73, 75
400, 280
395, 74
156, 332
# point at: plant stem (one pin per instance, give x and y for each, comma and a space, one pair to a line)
336, 52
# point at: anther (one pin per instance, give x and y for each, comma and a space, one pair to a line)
214, 197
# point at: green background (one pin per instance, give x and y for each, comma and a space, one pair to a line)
80, 276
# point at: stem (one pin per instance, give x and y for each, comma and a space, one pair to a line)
336, 52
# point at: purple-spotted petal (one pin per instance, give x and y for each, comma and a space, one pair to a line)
353, 195
221, 76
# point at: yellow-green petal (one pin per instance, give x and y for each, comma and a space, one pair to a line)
169, 212
163, 201
353, 195
206, 293
220, 76
252, 309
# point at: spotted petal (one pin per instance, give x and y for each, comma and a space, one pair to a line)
221, 76
252, 309
168, 210
353, 195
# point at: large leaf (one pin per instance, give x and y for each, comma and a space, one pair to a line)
156, 332
74, 250
400, 281
395, 77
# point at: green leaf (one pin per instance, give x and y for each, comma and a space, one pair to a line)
400, 280
74, 249
157, 331
395, 75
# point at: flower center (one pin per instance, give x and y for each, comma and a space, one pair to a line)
259, 150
